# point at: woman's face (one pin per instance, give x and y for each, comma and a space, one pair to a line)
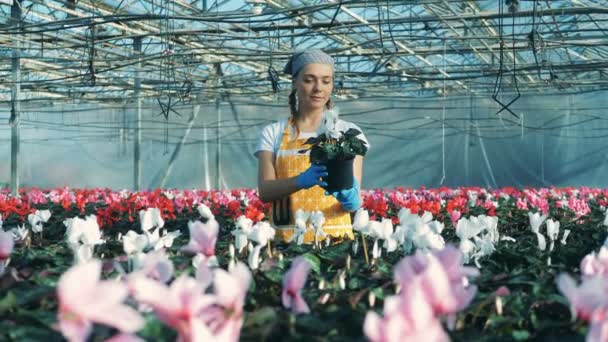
314, 85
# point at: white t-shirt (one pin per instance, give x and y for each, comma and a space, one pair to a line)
271, 135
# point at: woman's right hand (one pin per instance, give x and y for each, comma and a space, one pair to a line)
312, 176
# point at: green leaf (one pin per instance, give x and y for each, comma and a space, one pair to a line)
275, 275
8, 303
520, 335
261, 317
379, 293
315, 262
356, 283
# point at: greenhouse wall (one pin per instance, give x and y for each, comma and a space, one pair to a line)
556, 140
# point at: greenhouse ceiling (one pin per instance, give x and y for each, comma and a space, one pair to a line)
172, 51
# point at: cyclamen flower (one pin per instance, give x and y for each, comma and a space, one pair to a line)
154, 265
536, 220
37, 219
151, 218
261, 233
293, 282
443, 278
410, 319
202, 237
84, 300
6, 245
125, 338
133, 243
20, 233
586, 300
552, 232
301, 218
244, 228
454, 217
595, 264
598, 331
225, 317
361, 220
82, 236
179, 306
205, 212
6, 248
254, 256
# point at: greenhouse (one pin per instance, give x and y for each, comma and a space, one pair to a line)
303, 170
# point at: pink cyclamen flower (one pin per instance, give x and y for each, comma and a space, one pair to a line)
155, 265
293, 282
502, 291
225, 317
179, 306
598, 331
6, 248
406, 318
455, 216
442, 278
522, 204
595, 264
202, 237
587, 300
125, 338
6, 245
83, 299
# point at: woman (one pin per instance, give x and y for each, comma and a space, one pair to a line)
285, 177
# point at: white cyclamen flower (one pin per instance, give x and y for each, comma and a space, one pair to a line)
361, 220
565, 236
254, 257
37, 219
261, 233
20, 233
244, 228
134, 243
150, 218
166, 240
330, 122
552, 231
468, 228
301, 217
205, 212
536, 220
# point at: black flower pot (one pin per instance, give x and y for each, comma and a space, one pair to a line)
340, 175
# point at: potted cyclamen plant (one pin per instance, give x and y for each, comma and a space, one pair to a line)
336, 150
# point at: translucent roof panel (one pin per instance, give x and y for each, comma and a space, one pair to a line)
88, 50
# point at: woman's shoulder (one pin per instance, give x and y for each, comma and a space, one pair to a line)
276, 126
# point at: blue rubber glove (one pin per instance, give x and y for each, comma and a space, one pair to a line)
349, 198
312, 176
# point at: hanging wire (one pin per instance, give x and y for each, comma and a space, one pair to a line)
498, 82
273, 75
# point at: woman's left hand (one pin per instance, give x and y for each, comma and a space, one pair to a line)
349, 198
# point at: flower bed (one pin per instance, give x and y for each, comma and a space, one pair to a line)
523, 249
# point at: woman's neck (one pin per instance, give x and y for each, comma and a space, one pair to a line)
308, 121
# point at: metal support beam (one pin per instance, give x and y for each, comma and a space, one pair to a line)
15, 97
137, 135
218, 141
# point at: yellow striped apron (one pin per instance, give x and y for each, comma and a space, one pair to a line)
289, 163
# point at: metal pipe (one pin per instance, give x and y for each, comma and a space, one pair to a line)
137, 135
15, 97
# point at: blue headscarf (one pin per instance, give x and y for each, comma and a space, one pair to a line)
300, 59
